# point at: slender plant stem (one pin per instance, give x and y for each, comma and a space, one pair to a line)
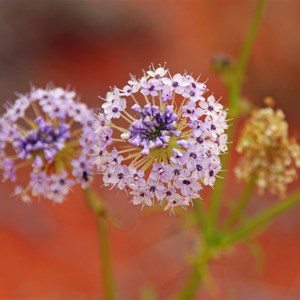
107, 275
192, 286
196, 277
234, 87
239, 209
245, 52
200, 217
218, 189
244, 57
250, 226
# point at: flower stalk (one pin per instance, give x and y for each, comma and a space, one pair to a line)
235, 88
209, 224
107, 274
197, 276
239, 209
256, 223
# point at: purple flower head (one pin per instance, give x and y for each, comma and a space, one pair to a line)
52, 135
166, 140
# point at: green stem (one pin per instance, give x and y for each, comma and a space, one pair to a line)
200, 217
234, 87
239, 209
107, 276
196, 277
245, 52
192, 286
218, 188
262, 219
243, 58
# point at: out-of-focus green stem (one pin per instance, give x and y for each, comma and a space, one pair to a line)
196, 277
218, 189
208, 224
251, 225
238, 210
192, 286
107, 275
200, 217
243, 58
245, 52
234, 87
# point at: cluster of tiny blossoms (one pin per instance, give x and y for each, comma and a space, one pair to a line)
268, 154
50, 133
167, 138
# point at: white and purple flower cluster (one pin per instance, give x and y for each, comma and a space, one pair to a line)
168, 144
51, 133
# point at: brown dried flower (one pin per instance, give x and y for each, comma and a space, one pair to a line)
268, 153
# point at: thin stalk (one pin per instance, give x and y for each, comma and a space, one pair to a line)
234, 87
239, 209
200, 217
262, 219
196, 277
244, 56
245, 52
107, 275
219, 187
192, 286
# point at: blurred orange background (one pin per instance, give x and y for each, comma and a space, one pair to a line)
51, 251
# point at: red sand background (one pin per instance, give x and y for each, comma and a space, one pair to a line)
50, 251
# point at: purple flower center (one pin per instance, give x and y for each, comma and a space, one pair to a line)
152, 189
161, 171
176, 172
46, 139
199, 140
199, 168
193, 155
154, 128
85, 176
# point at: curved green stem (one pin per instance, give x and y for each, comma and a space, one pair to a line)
239, 209
250, 226
107, 275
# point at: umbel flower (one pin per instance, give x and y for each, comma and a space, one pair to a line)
49, 133
167, 138
268, 154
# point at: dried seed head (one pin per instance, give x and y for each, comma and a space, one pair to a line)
267, 151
